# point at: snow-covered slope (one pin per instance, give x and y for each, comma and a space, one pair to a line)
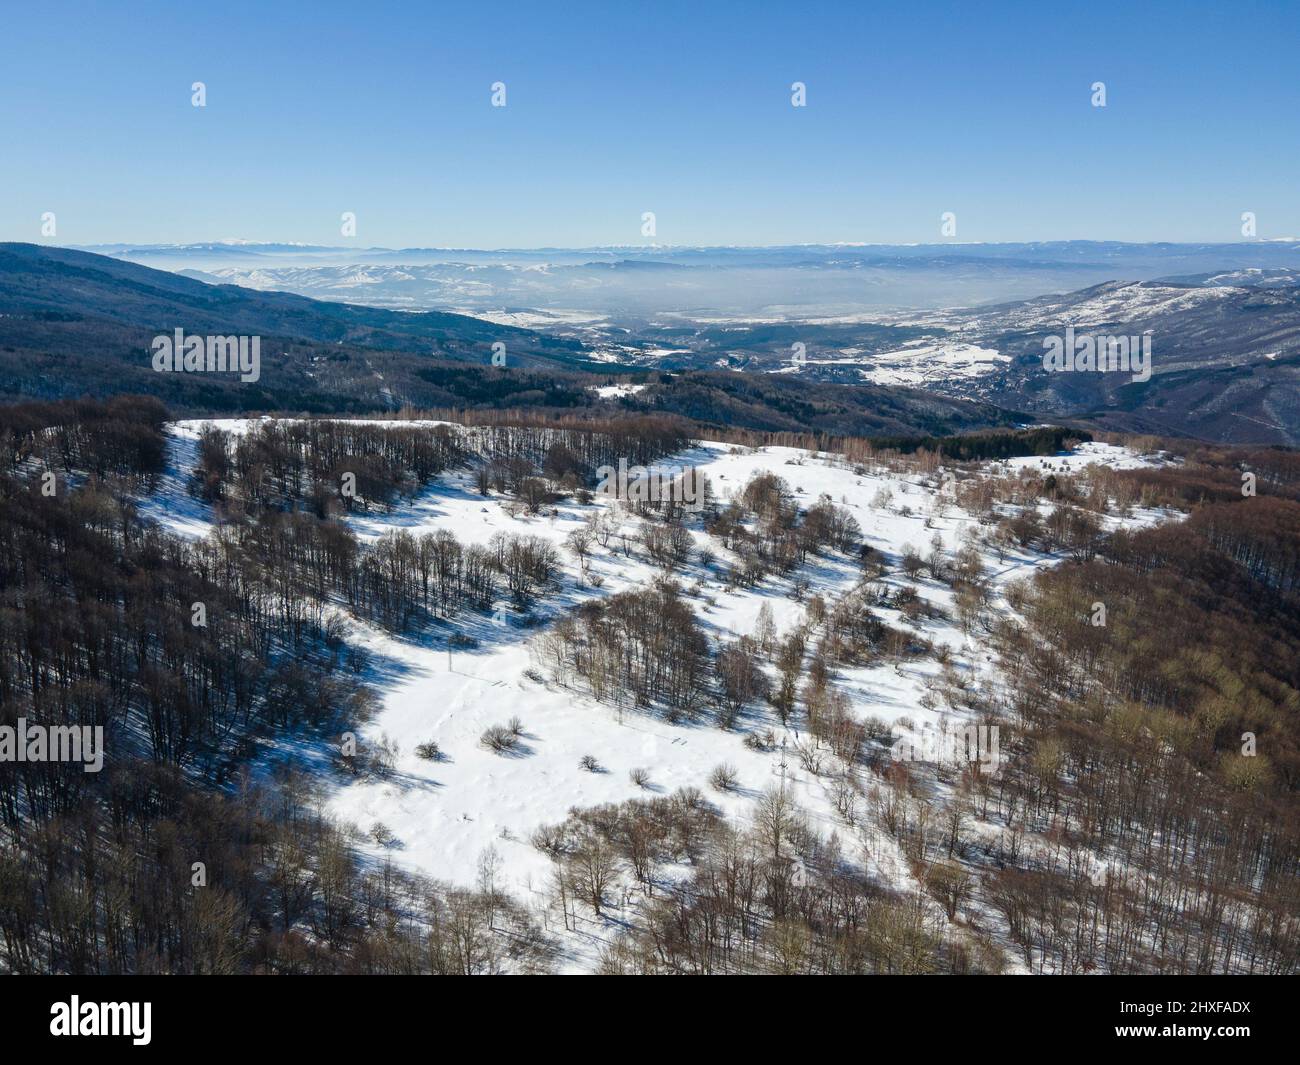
442, 815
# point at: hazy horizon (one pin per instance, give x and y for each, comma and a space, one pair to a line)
235, 242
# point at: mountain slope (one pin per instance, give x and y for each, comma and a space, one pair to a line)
72, 323
1225, 362
36, 278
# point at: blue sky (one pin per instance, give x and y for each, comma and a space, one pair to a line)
682, 109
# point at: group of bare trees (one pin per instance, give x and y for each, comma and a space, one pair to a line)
324, 467
770, 896
642, 648
401, 577
120, 437
558, 446
187, 654
184, 655
328, 467
769, 532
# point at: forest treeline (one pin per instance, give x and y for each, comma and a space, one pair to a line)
973, 446
979, 447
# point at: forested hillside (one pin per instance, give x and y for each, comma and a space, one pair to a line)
247, 630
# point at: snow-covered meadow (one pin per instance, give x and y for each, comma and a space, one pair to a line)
442, 816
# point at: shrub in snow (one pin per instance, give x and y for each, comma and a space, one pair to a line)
550, 839
500, 739
723, 777
382, 756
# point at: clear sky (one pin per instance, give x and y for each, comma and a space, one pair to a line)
617, 108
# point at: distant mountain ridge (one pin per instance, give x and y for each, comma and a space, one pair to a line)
751, 282
1225, 365
73, 323
1225, 357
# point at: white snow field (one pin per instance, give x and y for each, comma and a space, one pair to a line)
443, 815
920, 362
